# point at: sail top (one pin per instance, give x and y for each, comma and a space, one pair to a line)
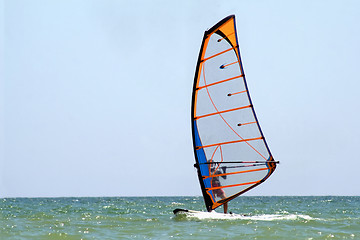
230, 150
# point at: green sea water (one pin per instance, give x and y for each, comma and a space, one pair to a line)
326, 217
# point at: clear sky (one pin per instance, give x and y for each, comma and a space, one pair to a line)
96, 95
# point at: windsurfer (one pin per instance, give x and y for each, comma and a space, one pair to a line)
216, 183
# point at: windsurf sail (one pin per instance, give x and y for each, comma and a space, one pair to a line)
231, 153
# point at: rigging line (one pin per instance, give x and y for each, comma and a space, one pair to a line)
210, 172
223, 143
209, 166
230, 94
219, 112
214, 83
225, 174
233, 185
217, 54
222, 159
219, 146
207, 90
211, 160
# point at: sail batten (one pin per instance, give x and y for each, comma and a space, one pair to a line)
224, 125
233, 185
238, 172
220, 112
221, 81
217, 54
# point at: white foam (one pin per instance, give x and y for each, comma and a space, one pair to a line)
176, 204
264, 217
276, 217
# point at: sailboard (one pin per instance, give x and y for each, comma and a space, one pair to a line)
230, 150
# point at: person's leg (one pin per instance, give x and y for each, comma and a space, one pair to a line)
225, 207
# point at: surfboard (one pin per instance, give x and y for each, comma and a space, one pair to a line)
188, 211
207, 215
182, 211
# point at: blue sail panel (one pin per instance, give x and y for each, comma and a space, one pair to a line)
201, 158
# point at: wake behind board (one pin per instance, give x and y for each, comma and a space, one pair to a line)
199, 215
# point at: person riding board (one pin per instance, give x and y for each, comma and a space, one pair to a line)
216, 183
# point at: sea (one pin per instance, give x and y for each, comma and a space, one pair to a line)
312, 217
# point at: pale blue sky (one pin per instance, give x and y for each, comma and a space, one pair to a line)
96, 94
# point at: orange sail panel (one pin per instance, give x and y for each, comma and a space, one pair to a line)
230, 150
